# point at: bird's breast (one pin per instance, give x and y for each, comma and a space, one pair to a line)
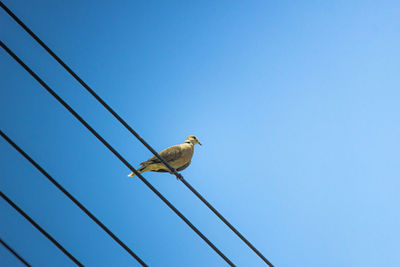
187, 154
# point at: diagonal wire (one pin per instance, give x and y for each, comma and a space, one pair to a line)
14, 253
20, 211
115, 152
126, 125
72, 198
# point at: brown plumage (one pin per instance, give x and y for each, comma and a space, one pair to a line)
178, 156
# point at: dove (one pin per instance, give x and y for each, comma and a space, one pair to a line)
178, 156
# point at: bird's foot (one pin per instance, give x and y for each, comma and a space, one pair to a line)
179, 177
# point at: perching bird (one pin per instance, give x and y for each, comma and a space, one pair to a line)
178, 156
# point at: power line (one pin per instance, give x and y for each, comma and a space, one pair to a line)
130, 129
62, 189
15, 253
20, 211
98, 136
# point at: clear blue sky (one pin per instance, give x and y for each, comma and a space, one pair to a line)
296, 104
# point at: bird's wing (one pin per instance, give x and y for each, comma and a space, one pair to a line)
170, 154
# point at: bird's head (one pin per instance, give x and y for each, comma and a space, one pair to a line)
192, 140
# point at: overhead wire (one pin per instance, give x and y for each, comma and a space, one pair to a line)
132, 131
27, 217
115, 152
22, 260
72, 198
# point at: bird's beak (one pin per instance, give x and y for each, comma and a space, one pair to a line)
199, 143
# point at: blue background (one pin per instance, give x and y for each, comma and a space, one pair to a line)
296, 104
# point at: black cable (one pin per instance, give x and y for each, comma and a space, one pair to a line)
62, 189
98, 98
77, 116
15, 253
12, 204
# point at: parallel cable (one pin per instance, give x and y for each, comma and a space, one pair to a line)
55, 242
115, 152
72, 198
126, 125
15, 253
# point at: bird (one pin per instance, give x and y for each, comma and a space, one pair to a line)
178, 156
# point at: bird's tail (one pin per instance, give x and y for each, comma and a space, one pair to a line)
140, 170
